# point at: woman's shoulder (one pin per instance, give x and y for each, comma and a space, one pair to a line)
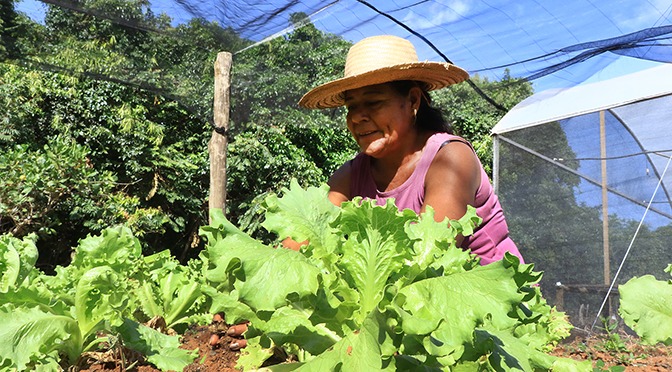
442, 137
436, 146
342, 174
455, 155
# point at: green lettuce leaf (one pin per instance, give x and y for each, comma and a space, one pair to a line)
264, 276
449, 308
17, 261
646, 307
115, 247
170, 290
301, 215
505, 352
376, 248
32, 336
434, 244
387, 287
228, 303
359, 351
293, 326
160, 349
101, 296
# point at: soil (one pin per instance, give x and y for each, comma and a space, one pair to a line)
617, 349
606, 351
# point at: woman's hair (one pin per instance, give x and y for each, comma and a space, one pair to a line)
428, 117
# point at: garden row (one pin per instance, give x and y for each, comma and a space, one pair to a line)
376, 289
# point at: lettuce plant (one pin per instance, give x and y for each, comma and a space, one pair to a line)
376, 289
52, 319
646, 307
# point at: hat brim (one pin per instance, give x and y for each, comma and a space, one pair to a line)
434, 75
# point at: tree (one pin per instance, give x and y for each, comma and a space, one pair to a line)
7, 24
271, 77
134, 99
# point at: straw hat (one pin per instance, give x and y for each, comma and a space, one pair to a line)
381, 59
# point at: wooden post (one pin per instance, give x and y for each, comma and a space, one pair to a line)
605, 201
219, 140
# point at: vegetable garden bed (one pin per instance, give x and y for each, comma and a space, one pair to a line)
627, 355
375, 289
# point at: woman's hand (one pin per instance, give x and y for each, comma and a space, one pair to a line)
237, 331
292, 244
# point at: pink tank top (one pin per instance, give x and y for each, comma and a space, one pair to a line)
490, 240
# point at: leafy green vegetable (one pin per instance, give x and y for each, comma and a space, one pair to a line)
101, 291
646, 307
17, 263
37, 329
377, 289
37, 337
100, 297
170, 290
160, 349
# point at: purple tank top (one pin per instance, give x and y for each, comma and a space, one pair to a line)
490, 240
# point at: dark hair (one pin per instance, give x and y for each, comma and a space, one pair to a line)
428, 117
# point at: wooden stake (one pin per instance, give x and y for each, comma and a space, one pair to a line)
605, 201
219, 140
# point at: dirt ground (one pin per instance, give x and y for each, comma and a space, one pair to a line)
617, 349
605, 352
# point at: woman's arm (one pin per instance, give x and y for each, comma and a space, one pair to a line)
339, 185
452, 181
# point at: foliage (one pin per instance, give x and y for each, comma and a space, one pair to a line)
255, 159
528, 185
568, 230
645, 305
42, 190
612, 341
36, 183
263, 159
376, 289
108, 290
141, 101
270, 78
273, 141
156, 149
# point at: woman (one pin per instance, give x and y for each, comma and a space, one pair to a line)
408, 151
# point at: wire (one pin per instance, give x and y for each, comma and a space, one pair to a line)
606, 297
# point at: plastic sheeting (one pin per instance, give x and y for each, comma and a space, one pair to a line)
638, 120
555, 43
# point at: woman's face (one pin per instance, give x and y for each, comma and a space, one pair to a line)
378, 118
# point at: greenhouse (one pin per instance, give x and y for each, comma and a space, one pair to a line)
155, 160
589, 168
